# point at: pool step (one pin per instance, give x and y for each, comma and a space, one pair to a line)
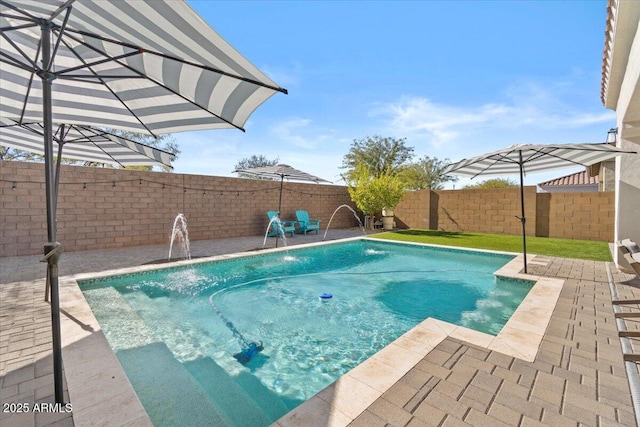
169, 393
238, 404
120, 323
270, 402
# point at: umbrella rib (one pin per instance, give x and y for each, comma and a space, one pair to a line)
92, 80
99, 132
141, 51
500, 157
184, 61
88, 65
16, 9
16, 27
110, 90
17, 63
60, 30
34, 64
558, 157
68, 6
80, 131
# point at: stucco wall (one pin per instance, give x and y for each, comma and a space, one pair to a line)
628, 192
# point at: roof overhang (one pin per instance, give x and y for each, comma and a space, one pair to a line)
620, 89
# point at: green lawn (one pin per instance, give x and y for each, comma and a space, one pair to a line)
565, 248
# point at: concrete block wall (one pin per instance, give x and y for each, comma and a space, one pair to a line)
586, 216
109, 208
483, 211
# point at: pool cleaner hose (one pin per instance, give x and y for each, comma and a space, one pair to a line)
248, 349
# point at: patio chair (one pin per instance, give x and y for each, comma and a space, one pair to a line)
287, 226
306, 224
628, 246
634, 261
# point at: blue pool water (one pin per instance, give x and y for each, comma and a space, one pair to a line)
172, 329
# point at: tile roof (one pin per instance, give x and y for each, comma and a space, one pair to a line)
579, 178
608, 51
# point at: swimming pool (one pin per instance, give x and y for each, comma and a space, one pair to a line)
177, 350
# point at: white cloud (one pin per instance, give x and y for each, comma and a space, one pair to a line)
438, 123
301, 133
526, 110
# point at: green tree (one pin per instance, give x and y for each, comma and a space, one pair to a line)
373, 193
380, 156
493, 183
254, 162
426, 173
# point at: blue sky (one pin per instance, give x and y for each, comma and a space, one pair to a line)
455, 78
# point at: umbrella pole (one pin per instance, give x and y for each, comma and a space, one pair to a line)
55, 208
523, 220
279, 207
52, 249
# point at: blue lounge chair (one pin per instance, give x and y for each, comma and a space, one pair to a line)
287, 226
306, 224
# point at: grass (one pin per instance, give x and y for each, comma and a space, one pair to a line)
564, 248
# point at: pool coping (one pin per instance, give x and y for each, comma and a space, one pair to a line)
101, 392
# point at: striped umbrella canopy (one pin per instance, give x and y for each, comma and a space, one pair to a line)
281, 171
151, 66
528, 158
145, 66
84, 143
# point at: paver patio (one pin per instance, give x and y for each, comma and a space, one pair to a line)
578, 375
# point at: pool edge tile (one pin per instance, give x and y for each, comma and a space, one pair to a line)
354, 395
85, 349
513, 340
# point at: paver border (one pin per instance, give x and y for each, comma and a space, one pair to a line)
100, 390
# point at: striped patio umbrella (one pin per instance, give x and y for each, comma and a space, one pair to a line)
152, 66
527, 158
280, 171
84, 143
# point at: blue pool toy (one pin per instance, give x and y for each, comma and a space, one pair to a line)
325, 296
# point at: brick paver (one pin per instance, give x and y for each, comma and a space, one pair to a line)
578, 375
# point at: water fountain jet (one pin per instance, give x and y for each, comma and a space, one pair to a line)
275, 219
354, 214
180, 233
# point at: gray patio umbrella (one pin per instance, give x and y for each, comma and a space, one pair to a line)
280, 171
527, 158
81, 143
145, 66
84, 143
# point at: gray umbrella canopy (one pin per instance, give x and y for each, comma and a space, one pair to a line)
280, 171
82, 142
527, 158
149, 66
145, 66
